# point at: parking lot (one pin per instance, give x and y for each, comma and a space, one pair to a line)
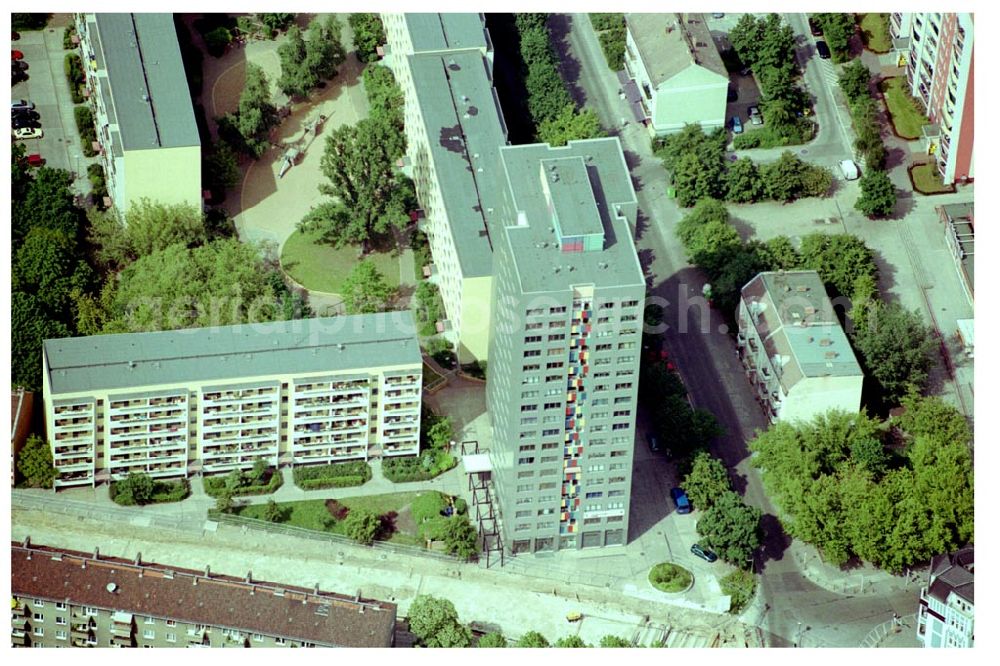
46, 86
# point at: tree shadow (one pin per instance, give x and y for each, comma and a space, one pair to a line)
387, 526
904, 204
560, 26
745, 230
642, 225
894, 157
774, 541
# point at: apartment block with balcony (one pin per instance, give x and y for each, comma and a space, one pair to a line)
563, 374
173, 403
937, 50
64, 598
678, 71
947, 612
146, 130
454, 130
796, 355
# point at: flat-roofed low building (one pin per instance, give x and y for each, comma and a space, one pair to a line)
796, 355
64, 598
138, 91
678, 70
171, 403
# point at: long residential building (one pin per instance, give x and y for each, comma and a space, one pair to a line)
937, 49
947, 614
677, 68
563, 375
454, 131
64, 598
216, 399
796, 355
146, 130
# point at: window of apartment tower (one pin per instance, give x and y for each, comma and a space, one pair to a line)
544, 545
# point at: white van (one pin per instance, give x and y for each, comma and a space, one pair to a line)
849, 169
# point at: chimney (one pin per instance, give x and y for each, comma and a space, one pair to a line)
208, 571
250, 576
97, 553
138, 559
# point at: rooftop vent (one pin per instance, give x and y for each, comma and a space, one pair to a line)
831, 354
111, 587
825, 342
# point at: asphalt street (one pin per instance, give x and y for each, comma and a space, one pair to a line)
793, 609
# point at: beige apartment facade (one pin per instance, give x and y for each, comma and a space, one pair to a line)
213, 400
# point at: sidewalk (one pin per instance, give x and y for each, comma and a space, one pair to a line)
864, 580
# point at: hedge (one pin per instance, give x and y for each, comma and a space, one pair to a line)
331, 482
74, 76
403, 470
215, 486
163, 491
335, 475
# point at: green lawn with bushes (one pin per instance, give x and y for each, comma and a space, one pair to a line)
336, 475
904, 110
138, 489
669, 577
319, 266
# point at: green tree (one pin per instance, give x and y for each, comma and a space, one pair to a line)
783, 177
816, 181
152, 226
854, 79
366, 290
324, 49
570, 125
221, 283
934, 418
31, 323
224, 502
707, 481
368, 34
277, 21
895, 348
259, 471
878, 194
248, 129
840, 259
781, 254
870, 455
385, 100
46, 265
362, 525
34, 463
571, 641
460, 537
47, 202
494, 639
220, 167
440, 433
532, 639
296, 80
705, 211
740, 585
746, 37
610, 641
709, 245
743, 182
731, 528
136, 488
838, 29
273, 512
451, 636
433, 617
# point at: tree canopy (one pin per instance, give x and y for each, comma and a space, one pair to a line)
248, 129
914, 505
838, 28
895, 348
365, 290
570, 125
878, 194
532, 639
369, 34
34, 463
306, 63
707, 481
434, 622
731, 528
362, 525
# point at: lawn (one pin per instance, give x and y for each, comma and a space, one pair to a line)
431, 376
926, 179
314, 515
904, 111
667, 577
875, 32
320, 267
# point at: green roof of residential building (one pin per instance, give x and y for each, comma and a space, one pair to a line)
223, 353
465, 130
541, 263
152, 102
447, 31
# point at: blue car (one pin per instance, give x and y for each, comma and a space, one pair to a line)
681, 500
737, 125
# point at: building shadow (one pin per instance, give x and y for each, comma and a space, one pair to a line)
560, 26
774, 541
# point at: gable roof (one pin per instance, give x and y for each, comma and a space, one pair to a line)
953, 573
190, 596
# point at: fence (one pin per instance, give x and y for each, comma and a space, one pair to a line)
316, 535
878, 634
179, 520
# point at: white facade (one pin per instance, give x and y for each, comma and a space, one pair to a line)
946, 615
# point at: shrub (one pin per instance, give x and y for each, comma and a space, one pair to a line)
668, 577
336, 475
740, 585
411, 468
74, 76
139, 488
216, 486
362, 525
216, 41
68, 34
428, 505
338, 482
461, 506
336, 509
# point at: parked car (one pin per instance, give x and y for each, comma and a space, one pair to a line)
814, 28
732, 94
19, 66
25, 113
754, 113
26, 133
36, 160
704, 553
21, 104
737, 125
17, 122
681, 500
718, 14
849, 169
822, 49
16, 55
654, 443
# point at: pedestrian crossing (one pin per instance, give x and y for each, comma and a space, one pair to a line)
829, 72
